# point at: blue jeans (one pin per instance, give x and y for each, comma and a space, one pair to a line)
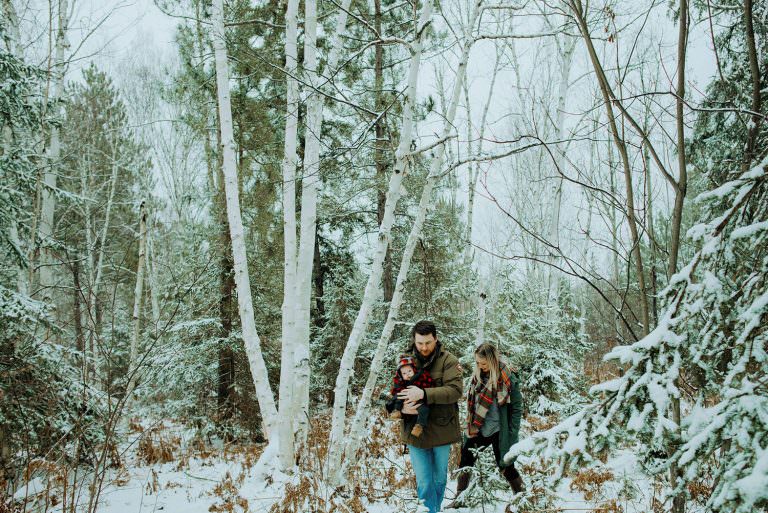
431, 468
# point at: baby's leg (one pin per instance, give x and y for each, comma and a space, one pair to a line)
396, 412
423, 414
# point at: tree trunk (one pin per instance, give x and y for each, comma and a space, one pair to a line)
682, 179
475, 170
363, 405
237, 232
77, 314
13, 38
380, 148
289, 336
754, 73
226, 356
12, 24
675, 473
566, 59
310, 187
152, 281
138, 301
373, 289
651, 228
481, 307
622, 149
48, 206
319, 278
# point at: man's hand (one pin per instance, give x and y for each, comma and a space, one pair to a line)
410, 408
412, 393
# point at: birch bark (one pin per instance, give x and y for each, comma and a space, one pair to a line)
475, 170
372, 288
565, 51
12, 26
362, 413
138, 301
286, 449
48, 206
152, 280
310, 187
242, 280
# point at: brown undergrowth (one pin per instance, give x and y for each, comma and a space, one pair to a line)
379, 472
157, 445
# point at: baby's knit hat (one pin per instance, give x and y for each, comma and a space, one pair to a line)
405, 361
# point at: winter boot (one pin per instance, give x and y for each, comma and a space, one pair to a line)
417, 430
514, 479
395, 415
462, 483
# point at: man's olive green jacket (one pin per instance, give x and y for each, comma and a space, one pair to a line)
443, 423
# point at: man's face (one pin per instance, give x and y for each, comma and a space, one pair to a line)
425, 344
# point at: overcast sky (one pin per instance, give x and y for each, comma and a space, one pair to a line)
137, 29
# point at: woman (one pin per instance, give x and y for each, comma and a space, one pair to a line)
494, 409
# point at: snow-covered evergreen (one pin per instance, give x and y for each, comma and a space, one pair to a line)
709, 351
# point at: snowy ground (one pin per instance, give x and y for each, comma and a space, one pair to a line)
200, 478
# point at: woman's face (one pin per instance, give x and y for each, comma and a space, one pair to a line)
482, 363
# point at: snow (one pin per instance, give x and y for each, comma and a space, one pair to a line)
749, 231
754, 487
256, 42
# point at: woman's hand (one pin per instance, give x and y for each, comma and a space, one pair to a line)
412, 393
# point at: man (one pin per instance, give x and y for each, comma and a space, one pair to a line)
430, 451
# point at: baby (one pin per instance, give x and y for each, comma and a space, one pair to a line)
406, 376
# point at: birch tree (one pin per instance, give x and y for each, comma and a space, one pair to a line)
363, 405
287, 410
138, 302
298, 265
53, 154
373, 286
237, 232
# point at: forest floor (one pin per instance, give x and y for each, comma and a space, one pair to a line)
164, 467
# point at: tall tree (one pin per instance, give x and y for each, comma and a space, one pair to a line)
231, 186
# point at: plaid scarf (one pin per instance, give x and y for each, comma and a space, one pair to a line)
480, 397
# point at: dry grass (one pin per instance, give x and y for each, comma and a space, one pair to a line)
228, 493
156, 445
538, 423
591, 483
371, 478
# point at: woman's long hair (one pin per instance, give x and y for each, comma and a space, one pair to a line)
490, 354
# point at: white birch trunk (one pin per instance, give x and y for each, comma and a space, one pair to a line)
286, 420
475, 170
12, 27
152, 280
138, 300
48, 207
311, 184
103, 236
565, 51
361, 415
373, 286
237, 232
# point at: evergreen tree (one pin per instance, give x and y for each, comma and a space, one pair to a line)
709, 349
107, 172
545, 343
